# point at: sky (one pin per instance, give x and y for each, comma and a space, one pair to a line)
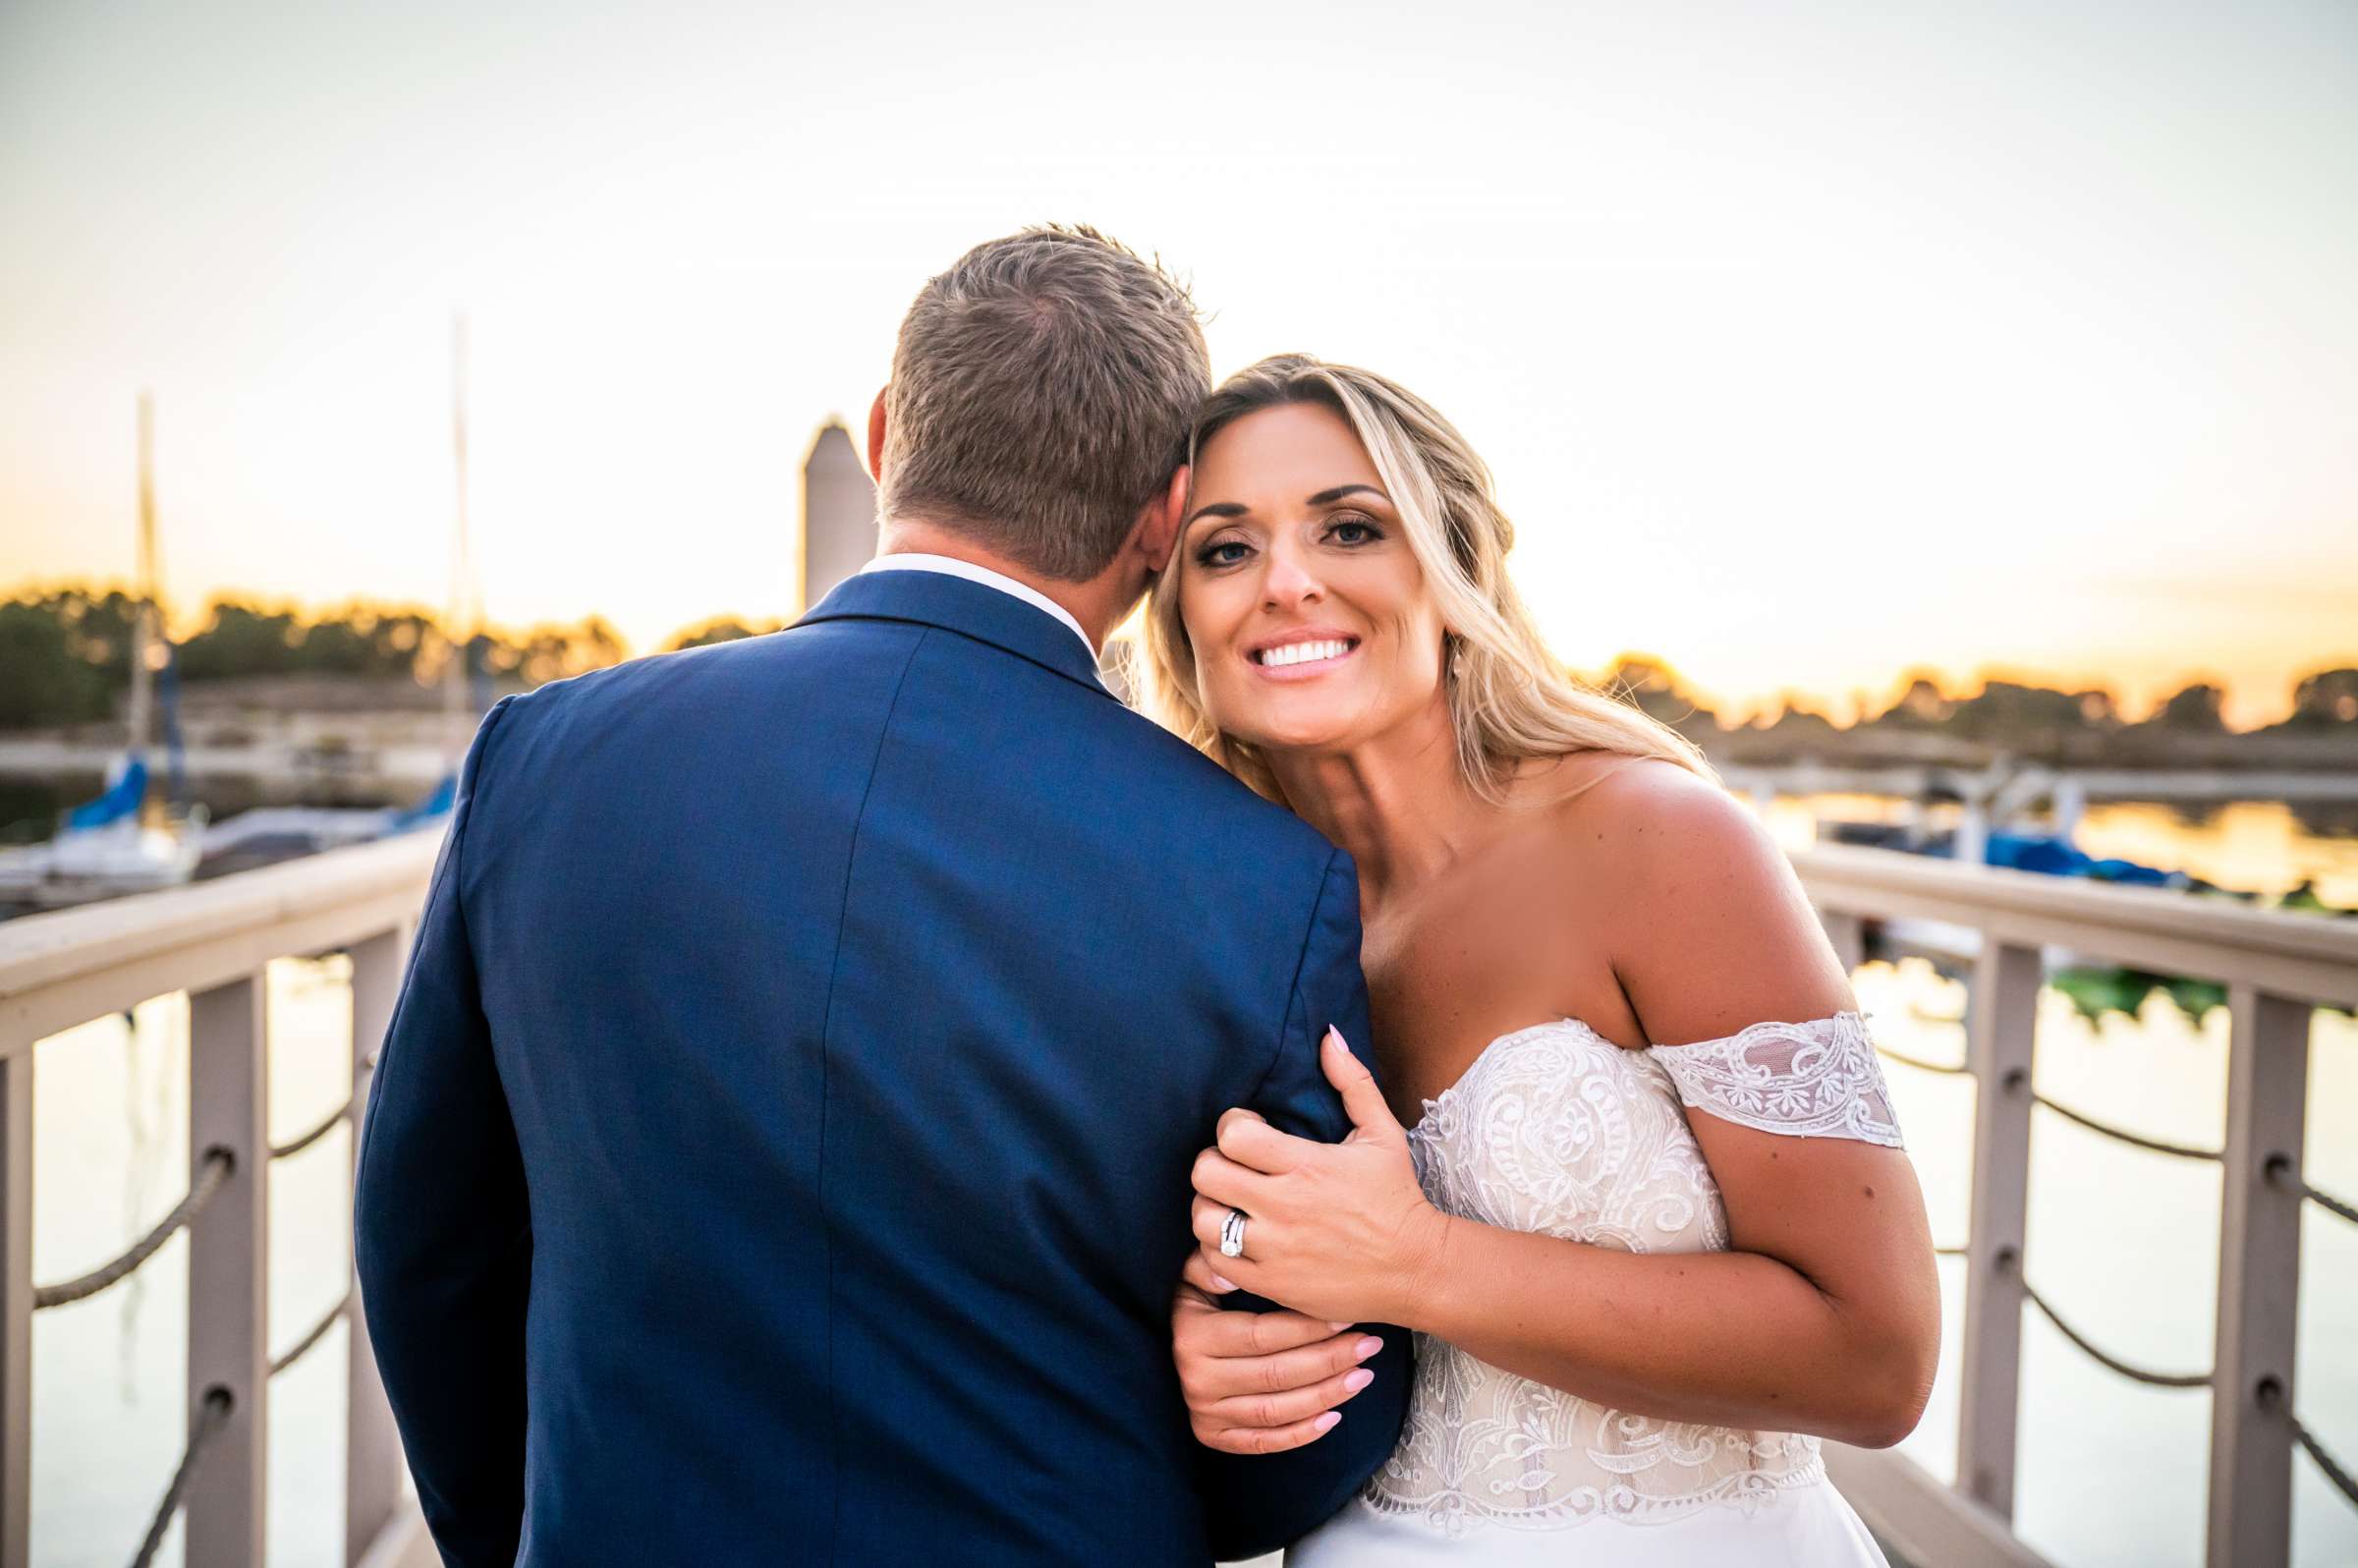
1810, 344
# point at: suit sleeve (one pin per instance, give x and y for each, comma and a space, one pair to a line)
441, 1232
1258, 1503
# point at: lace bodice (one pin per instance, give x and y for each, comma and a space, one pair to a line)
1556, 1130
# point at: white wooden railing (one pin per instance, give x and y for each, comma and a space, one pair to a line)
212, 941
2277, 966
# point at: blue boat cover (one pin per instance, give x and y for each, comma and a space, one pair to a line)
433, 809
2055, 857
122, 799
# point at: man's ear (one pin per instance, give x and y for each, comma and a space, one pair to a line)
875, 436
1158, 528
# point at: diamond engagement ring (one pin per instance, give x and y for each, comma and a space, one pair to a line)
1232, 1234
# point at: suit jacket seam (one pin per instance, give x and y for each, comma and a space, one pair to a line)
458, 840
1294, 990
826, 1023
457, 904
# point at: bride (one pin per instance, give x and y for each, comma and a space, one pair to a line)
1637, 1190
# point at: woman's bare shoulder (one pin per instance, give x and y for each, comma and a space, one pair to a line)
1652, 807
1711, 927
1596, 820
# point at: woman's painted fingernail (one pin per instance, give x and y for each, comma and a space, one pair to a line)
1220, 1283
1359, 1379
1326, 1422
1334, 1038
1367, 1347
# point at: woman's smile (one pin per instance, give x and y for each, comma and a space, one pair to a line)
1302, 655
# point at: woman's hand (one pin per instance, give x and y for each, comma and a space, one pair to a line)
1341, 1232
1260, 1382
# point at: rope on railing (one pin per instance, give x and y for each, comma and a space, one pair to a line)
298, 1145
318, 1332
2333, 1472
218, 1163
2281, 1175
2329, 1203
211, 1416
1919, 1064
2124, 1134
2137, 1374
2326, 1462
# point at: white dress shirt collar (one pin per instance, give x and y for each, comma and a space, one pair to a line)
951, 566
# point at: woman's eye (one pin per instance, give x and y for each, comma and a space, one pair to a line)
1222, 552
1353, 530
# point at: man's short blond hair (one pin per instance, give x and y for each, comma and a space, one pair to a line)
1042, 390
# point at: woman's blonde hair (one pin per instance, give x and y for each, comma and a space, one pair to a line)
1509, 701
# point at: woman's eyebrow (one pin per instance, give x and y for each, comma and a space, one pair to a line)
1215, 509
1341, 490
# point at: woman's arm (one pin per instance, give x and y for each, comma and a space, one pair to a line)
1818, 1323
1823, 1318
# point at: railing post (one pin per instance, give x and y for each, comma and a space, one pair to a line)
16, 1304
2001, 1018
229, 1255
372, 1461
2259, 1283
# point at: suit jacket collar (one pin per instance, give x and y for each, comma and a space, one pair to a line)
970, 609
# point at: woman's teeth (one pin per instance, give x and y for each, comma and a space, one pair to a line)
1300, 654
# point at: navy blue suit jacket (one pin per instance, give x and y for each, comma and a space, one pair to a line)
779, 1152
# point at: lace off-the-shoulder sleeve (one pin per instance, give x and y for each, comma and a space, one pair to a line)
1813, 1080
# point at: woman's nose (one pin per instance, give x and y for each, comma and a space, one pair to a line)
1289, 581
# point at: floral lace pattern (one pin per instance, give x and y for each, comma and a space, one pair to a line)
1814, 1080
1558, 1131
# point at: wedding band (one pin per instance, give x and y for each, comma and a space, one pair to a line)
1232, 1234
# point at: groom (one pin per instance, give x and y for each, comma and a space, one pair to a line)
780, 1150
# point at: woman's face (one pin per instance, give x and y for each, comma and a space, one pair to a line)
1312, 627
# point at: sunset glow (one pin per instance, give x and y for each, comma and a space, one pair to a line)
2015, 340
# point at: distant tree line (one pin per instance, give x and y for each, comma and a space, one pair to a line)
65, 653
65, 658
2005, 711
726, 629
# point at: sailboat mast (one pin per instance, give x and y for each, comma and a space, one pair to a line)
461, 631
143, 626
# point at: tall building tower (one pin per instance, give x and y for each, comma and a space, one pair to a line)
839, 513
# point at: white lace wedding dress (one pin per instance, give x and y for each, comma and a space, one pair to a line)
1556, 1130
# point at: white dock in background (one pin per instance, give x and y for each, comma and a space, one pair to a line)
213, 939
325, 826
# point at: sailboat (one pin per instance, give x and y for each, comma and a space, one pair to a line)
136, 835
